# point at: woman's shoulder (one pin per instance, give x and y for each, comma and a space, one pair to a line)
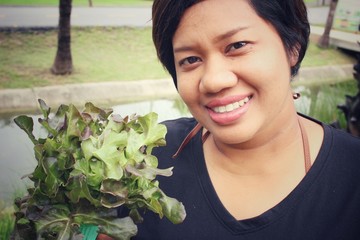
177, 129
335, 135
342, 138
180, 123
341, 149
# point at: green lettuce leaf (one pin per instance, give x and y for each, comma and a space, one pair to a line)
90, 163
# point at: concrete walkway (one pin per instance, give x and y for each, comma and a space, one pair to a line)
339, 39
80, 16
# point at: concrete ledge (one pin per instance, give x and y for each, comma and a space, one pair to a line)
324, 74
338, 38
13, 99
103, 93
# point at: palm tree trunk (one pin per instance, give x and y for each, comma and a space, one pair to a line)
63, 59
324, 40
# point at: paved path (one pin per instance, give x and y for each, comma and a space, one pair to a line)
340, 39
318, 15
80, 16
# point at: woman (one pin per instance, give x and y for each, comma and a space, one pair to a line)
250, 166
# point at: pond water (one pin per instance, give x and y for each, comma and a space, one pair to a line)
16, 150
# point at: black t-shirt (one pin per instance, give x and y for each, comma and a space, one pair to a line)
324, 206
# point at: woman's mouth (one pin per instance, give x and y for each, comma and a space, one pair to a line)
226, 113
232, 106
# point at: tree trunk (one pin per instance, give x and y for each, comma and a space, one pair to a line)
63, 60
90, 3
324, 40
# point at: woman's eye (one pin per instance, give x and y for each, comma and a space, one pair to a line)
189, 60
235, 46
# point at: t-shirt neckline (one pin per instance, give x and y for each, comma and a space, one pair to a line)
269, 216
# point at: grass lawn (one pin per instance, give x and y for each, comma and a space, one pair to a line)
100, 54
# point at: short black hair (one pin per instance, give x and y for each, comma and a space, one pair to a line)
289, 18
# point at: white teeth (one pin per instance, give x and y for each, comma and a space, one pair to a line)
229, 107
232, 106
222, 109
241, 103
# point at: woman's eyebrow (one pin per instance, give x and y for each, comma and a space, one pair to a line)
229, 33
183, 49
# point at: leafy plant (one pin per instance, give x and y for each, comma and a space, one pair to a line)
90, 163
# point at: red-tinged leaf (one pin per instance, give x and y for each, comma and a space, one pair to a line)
44, 108
77, 189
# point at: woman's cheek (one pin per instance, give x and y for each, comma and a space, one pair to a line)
187, 87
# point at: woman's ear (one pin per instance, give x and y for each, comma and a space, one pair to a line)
294, 55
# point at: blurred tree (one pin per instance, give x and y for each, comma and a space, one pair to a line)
90, 3
63, 60
324, 40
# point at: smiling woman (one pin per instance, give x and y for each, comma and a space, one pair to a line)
224, 53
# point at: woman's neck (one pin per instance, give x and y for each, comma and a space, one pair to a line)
271, 151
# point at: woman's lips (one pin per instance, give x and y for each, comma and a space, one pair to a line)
228, 110
231, 106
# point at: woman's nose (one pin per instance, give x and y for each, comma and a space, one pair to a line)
216, 77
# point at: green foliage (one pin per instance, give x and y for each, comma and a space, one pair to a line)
6, 221
90, 163
316, 56
324, 99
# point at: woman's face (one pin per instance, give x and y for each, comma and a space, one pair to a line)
232, 70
